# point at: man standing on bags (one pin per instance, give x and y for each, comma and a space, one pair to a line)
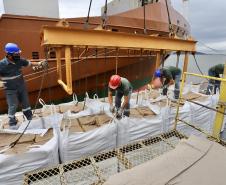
122, 88
13, 83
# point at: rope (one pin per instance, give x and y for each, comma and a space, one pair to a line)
96, 70
104, 16
49, 81
210, 108
215, 50
105, 63
144, 7
79, 82
53, 69
197, 64
169, 18
87, 18
116, 62
86, 80
11, 145
128, 69
178, 57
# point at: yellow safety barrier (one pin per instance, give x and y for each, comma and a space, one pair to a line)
220, 109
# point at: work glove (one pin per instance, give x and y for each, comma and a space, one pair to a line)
2, 84
164, 90
150, 87
119, 113
41, 65
112, 109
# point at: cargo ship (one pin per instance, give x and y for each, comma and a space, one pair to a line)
92, 67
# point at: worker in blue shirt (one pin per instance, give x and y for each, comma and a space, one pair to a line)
13, 83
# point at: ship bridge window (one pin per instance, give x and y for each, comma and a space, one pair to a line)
144, 2
52, 54
35, 55
113, 29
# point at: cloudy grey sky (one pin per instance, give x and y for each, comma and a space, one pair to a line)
207, 18
208, 22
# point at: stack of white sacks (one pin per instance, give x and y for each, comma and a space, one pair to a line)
74, 145
14, 166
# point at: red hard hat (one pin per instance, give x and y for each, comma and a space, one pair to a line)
114, 82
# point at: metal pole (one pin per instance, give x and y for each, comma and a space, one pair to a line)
116, 62
179, 101
219, 119
178, 57
208, 77
185, 67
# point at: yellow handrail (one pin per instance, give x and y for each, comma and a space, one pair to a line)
219, 116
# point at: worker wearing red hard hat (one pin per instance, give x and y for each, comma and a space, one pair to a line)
122, 87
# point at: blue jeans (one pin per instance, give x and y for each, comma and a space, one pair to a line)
14, 97
118, 102
213, 85
177, 86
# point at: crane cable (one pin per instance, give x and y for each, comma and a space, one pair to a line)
79, 82
144, 10
48, 76
87, 18
116, 61
215, 50
86, 79
105, 64
104, 16
97, 67
196, 63
169, 18
53, 69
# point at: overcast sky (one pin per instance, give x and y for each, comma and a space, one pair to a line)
207, 18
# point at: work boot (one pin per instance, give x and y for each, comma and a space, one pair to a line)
13, 127
13, 123
176, 93
126, 112
28, 114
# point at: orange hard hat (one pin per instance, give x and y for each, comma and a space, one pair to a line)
114, 82
156, 83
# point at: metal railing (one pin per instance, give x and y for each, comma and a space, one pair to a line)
220, 110
98, 168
